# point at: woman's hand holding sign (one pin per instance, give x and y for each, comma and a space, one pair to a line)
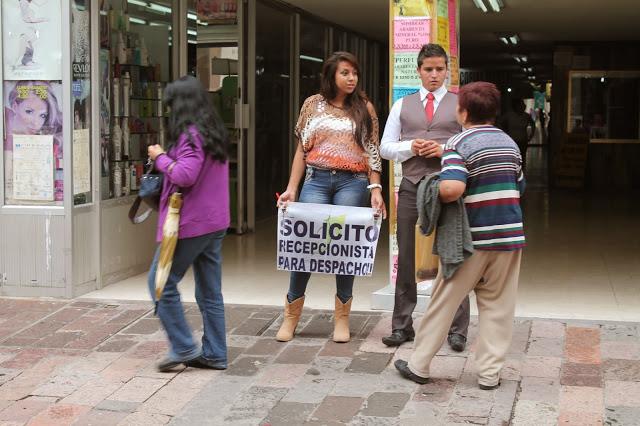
285, 197
377, 202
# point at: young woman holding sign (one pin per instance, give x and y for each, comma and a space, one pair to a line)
338, 156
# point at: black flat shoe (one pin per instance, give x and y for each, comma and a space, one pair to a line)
457, 342
398, 337
403, 367
202, 362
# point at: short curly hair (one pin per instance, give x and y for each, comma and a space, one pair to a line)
481, 101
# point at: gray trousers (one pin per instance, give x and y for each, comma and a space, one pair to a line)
406, 295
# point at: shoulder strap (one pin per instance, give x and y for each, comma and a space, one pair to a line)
136, 218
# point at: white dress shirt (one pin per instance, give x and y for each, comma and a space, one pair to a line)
391, 147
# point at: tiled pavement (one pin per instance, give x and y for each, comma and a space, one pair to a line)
92, 363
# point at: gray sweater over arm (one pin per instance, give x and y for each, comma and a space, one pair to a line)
453, 237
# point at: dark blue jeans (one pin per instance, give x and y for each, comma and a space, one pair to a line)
339, 188
205, 254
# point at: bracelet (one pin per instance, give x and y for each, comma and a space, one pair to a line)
374, 185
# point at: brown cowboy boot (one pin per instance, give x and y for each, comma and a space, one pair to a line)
292, 312
341, 321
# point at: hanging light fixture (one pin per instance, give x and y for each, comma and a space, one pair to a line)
495, 5
480, 5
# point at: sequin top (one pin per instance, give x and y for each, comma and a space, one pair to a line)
327, 136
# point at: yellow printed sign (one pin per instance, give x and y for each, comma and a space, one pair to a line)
454, 71
443, 33
412, 8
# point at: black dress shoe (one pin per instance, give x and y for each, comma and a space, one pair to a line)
202, 362
398, 337
403, 367
167, 365
485, 387
457, 342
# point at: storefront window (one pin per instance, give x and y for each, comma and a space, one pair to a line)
135, 64
81, 98
312, 55
32, 96
605, 105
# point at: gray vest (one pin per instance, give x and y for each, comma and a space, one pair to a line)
413, 125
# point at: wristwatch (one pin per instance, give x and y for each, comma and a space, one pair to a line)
374, 185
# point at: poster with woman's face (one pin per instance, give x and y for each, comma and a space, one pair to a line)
32, 39
33, 108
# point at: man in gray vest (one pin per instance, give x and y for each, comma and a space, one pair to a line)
416, 130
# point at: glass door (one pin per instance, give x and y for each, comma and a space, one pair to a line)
272, 97
214, 57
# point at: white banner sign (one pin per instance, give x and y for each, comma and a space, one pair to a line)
327, 239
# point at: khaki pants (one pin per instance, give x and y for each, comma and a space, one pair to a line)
496, 298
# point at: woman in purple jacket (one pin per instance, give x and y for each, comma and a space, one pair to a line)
195, 164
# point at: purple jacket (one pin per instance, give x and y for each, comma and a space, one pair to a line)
204, 183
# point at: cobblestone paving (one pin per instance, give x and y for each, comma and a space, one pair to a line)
92, 363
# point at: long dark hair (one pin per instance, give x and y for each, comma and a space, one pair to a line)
190, 106
355, 103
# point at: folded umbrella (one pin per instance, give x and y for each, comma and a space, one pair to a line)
168, 244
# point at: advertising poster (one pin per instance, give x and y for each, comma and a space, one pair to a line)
412, 8
80, 48
33, 108
33, 167
31, 39
327, 239
217, 11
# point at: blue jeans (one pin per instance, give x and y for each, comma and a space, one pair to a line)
339, 188
205, 254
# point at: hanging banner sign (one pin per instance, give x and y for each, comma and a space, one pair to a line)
327, 239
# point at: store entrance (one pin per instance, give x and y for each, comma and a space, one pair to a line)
215, 56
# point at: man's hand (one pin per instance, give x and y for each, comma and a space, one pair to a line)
431, 149
418, 145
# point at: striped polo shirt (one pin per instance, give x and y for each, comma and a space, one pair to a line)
488, 161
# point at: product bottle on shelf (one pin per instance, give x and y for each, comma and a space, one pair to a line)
117, 180
126, 135
134, 177
144, 53
116, 97
159, 93
117, 141
126, 189
126, 93
121, 49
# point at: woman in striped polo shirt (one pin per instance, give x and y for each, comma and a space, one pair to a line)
484, 166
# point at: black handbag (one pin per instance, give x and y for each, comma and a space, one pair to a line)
149, 192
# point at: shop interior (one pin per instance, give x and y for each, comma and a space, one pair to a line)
575, 65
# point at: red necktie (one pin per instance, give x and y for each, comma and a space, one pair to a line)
428, 109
